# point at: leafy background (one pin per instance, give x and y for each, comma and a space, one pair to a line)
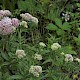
51, 28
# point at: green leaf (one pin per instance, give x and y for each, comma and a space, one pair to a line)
48, 60
79, 36
66, 26
4, 64
77, 40
58, 22
51, 27
14, 77
60, 32
22, 5
68, 50
5, 56
78, 4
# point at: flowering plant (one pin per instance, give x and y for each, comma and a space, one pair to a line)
39, 40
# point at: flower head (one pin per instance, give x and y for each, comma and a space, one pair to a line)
6, 26
35, 20
62, 53
42, 44
24, 23
38, 57
20, 53
66, 16
77, 59
35, 70
15, 22
5, 13
55, 46
26, 16
29, 17
68, 57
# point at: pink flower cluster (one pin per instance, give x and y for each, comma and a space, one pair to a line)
15, 22
4, 13
29, 17
8, 25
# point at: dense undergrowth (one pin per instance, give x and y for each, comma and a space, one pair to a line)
39, 40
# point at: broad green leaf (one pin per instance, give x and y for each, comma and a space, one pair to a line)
58, 22
51, 27
60, 32
78, 4
66, 26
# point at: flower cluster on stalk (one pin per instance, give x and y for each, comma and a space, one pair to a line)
35, 70
7, 25
29, 17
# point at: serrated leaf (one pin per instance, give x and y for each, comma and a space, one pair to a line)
58, 22
60, 32
51, 27
66, 26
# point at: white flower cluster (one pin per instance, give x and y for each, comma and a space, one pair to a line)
62, 53
35, 70
42, 44
55, 46
4, 13
38, 57
66, 16
20, 53
29, 17
68, 57
77, 59
24, 23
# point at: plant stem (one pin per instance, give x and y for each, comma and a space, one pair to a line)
19, 34
33, 37
65, 4
3, 6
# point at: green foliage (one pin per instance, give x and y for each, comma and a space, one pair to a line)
50, 29
59, 27
77, 39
